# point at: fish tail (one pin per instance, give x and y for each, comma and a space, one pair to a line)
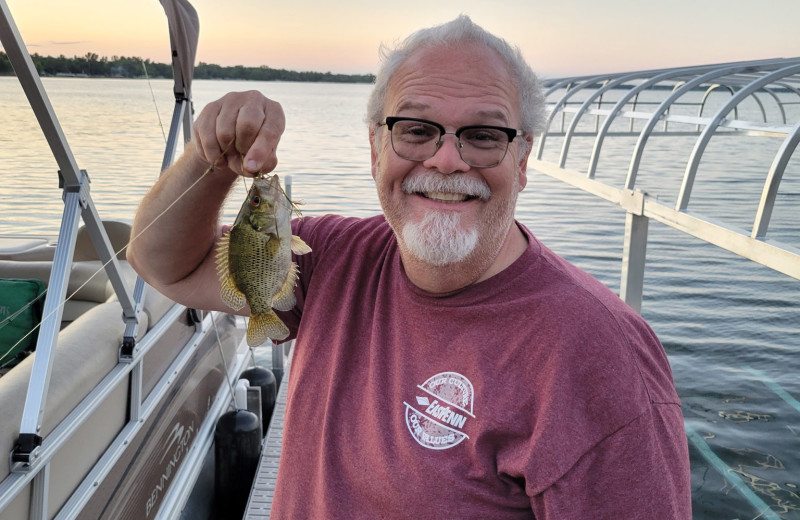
265, 326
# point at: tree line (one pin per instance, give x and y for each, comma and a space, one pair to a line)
92, 65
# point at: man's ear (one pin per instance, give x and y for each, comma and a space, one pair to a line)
373, 148
522, 164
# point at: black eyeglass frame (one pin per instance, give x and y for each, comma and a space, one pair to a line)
389, 121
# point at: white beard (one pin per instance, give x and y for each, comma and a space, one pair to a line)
438, 240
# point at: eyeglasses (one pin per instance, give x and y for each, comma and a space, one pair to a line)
480, 146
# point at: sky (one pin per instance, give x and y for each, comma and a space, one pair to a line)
558, 37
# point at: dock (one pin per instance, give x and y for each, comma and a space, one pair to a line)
259, 506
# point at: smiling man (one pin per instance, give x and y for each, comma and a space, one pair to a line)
450, 197
447, 364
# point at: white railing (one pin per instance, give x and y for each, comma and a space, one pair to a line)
650, 104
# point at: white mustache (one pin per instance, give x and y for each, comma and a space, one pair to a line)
452, 183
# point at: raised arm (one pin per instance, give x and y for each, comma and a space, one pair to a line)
177, 224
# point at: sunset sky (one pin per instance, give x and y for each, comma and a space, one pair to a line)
558, 37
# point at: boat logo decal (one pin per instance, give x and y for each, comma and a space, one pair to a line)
179, 441
441, 409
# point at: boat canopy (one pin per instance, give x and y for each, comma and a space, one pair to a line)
699, 105
184, 30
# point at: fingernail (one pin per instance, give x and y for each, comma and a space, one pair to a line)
251, 165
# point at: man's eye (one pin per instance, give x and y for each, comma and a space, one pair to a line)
484, 137
417, 132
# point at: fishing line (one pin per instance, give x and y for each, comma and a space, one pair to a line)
6, 321
158, 113
224, 362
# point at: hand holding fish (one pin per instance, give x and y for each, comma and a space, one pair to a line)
245, 127
235, 135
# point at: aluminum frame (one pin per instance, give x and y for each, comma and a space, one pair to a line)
34, 466
744, 80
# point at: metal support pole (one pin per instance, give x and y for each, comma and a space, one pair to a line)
633, 260
136, 395
27, 448
39, 497
108, 258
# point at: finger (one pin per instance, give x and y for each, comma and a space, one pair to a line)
205, 133
250, 120
262, 153
225, 130
262, 157
257, 112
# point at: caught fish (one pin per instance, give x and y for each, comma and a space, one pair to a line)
254, 260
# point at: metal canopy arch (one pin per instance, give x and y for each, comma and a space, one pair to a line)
662, 114
777, 79
716, 121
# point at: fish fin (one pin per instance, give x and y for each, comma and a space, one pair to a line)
228, 292
298, 246
222, 255
265, 326
284, 299
231, 295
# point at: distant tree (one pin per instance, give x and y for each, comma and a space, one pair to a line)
5, 64
135, 67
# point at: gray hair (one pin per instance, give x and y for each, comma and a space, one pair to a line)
462, 29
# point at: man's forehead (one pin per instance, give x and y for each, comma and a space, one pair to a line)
471, 62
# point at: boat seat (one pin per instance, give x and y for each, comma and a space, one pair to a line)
86, 351
88, 283
91, 330
31, 258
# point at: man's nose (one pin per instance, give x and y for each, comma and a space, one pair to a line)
447, 158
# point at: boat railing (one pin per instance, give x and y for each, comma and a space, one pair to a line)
78, 203
755, 99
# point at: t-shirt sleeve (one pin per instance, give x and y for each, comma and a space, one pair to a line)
639, 471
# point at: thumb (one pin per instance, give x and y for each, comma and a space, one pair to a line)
261, 157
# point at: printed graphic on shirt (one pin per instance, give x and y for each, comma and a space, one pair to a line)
442, 407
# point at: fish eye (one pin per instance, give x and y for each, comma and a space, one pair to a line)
255, 201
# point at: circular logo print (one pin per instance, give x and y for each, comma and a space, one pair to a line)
442, 407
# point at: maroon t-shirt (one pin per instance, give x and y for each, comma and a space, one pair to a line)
534, 394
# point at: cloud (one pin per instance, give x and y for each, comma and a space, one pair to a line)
75, 42
52, 43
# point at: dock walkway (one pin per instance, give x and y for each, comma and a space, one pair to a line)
259, 506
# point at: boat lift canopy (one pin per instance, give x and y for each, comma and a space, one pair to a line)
757, 99
732, 129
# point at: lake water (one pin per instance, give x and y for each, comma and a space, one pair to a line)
731, 328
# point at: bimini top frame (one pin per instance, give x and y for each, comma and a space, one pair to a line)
762, 98
78, 204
